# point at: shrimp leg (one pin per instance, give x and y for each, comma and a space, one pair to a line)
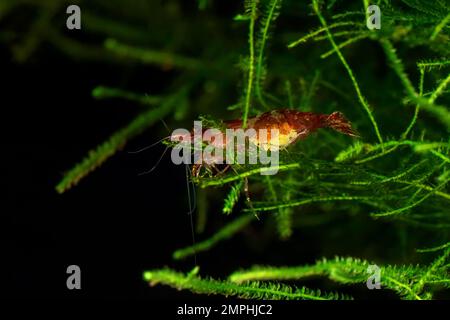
247, 197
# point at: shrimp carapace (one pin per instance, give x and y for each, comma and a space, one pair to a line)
294, 125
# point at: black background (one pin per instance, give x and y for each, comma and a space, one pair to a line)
115, 224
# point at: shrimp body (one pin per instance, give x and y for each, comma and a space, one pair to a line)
293, 125
290, 126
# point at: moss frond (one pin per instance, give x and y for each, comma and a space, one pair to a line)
398, 67
361, 98
166, 60
285, 216
406, 281
251, 11
103, 92
116, 142
441, 247
226, 232
218, 181
344, 44
232, 197
315, 33
250, 290
296, 203
269, 13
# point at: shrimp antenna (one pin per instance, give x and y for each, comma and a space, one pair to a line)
150, 146
194, 196
191, 210
165, 125
157, 163
155, 143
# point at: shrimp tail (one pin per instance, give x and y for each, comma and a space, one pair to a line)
339, 123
